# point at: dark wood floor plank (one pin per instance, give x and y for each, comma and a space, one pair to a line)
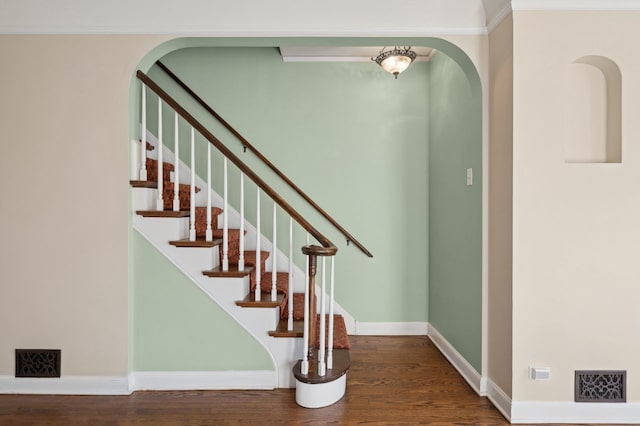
392, 380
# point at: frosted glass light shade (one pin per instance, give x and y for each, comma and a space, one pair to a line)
396, 64
396, 60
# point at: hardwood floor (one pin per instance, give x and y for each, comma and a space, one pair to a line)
393, 380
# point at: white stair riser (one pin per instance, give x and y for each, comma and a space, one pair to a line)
144, 199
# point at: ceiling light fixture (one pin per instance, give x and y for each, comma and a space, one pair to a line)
395, 60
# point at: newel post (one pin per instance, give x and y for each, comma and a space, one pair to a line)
313, 267
313, 252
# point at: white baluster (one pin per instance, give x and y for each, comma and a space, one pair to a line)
241, 231
209, 232
258, 263
160, 201
225, 221
176, 167
290, 280
330, 338
274, 275
143, 136
304, 366
192, 210
322, 367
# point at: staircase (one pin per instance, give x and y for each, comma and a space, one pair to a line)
242, 271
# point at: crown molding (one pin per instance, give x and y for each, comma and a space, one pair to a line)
252, 18
207, 32
575, 5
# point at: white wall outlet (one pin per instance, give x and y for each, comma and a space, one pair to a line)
539, 373
469, 177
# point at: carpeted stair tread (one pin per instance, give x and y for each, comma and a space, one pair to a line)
250, 258
282, 282
233, 233
201, 220
168, 189
231, 273
298, 306
184, 196
283, 331
152, 170
340, 336
264, 302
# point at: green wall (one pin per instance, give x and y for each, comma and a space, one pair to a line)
176, 327
350, 136
455, 209
385, 157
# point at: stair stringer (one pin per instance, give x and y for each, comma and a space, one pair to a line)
284, 352
282, 261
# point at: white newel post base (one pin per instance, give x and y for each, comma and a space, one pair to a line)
319, 395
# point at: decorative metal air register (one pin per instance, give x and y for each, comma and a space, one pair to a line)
601, 386
38, 362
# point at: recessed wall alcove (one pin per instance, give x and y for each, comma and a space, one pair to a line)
593, 111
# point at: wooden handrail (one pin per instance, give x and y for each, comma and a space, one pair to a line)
324, 241
246, 144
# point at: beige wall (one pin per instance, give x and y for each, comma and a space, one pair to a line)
500, 204
64, 115
64, 118
576, 237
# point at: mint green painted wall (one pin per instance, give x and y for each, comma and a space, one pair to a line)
455, 209
176, 327
351, 136
349, 119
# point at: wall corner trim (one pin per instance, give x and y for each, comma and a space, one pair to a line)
418, 328
466, 370
499, 399
498, 18
66, 385
203, 380
574, 412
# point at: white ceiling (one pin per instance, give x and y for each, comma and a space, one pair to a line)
367, 18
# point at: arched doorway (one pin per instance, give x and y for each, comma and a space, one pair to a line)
405, 191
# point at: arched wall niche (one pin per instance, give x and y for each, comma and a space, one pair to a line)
593, 111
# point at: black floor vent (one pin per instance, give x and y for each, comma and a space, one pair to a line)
601, 386
37, 362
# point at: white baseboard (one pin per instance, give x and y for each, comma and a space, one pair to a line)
154, 380
70, 385
203, 380
499, 399
417, 328
574, 412
466, 370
